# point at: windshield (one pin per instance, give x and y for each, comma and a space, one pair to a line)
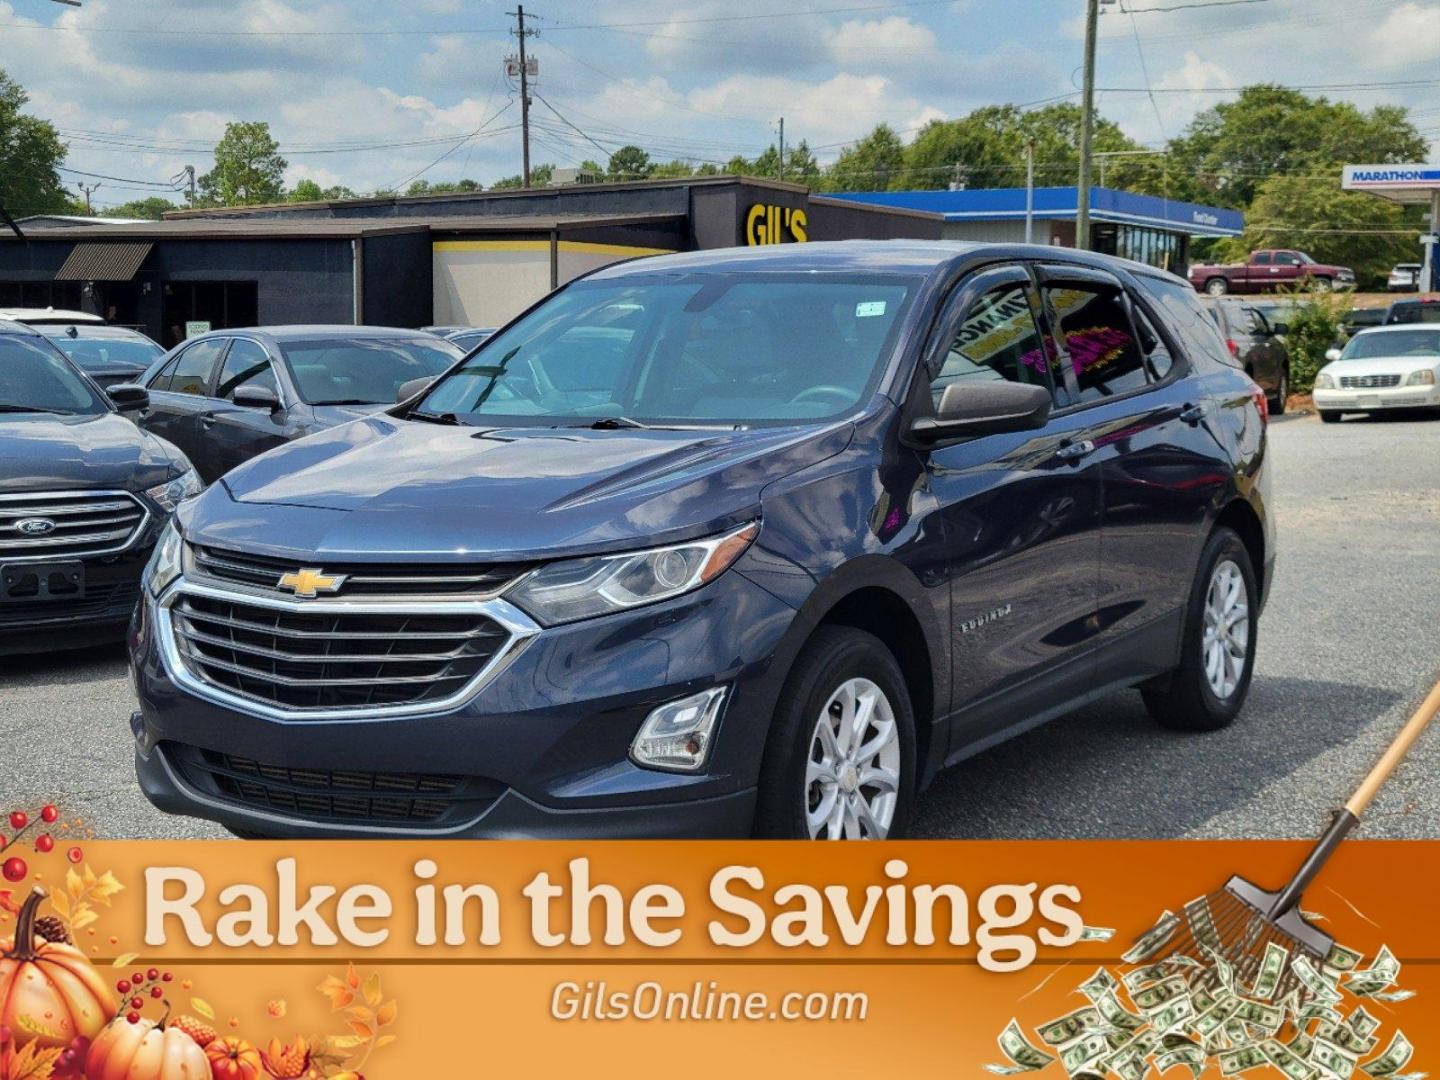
94, 354
1414, 312
470, 340
35, 378
1393, 343
363, 371
714, 349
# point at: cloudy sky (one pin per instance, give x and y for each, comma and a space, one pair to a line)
372, 94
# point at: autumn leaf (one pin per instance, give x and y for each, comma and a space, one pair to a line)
384, 1040
73, 885
372, 990
88, 876
360, 1012
33, 1063
339, 994
277, 1008
124, 959
35, 1027
386, 1013
344, 1042
203, 1007
83, 917
352, 977
105, 887
365, 1031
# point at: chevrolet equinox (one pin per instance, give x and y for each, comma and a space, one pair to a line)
723, 543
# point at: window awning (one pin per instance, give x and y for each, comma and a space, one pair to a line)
114, 261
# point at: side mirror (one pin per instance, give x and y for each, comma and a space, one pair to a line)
984, 408
1332, 355
255, 396
412, 388
1280, 329
128, 397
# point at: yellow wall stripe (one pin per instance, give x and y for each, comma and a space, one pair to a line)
576, 246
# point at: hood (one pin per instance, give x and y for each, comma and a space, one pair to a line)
382, 487
1381, 365
331, 415
39, 453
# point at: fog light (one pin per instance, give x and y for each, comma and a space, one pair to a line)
676, 735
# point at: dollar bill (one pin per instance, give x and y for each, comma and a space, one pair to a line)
1153, 940
1242, 1059
1084, 1052
1097, 933
1342, 959
1346, 1038
1173, 1015
1391, 996
1149, 973
1396, 1056
1161, 994
1272, 966
1335, 1060
1223, 971
1069, 1027
1319, 987
1287, 1061
1214, 1018
1381, 973
1102, 982
1361, 1022
1192, 1056
1116, 1015
1023, 1057
1267, 1017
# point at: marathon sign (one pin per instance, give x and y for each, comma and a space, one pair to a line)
1380, 177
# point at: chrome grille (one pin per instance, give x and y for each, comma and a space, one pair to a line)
81, 524
338, 795
363, 579
312, 657
1369, 382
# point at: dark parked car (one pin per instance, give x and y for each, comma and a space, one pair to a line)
1357, 319
225, 396
108, 354
83, 495
471, 336
1425, 310
717, 543
1253, 335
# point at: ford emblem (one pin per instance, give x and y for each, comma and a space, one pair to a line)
35, 526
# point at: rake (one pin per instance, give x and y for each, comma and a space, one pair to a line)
1239, 921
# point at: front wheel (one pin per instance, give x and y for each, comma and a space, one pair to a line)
1321, 284
1217, 286
840, 760
1329, 416
1208, 689
1282, 392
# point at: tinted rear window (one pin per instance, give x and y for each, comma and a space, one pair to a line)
97, 353
364, 371
1187, 318
35, 377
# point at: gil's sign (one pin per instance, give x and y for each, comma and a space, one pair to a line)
766, 223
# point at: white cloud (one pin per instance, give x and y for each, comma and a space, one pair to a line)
884, 42
1410, 34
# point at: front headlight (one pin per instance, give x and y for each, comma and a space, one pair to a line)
1324, 382
1423, 377
164, 565
171, 493
583, 588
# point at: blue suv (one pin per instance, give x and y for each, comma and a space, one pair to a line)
724, 543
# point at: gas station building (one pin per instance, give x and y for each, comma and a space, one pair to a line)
1409, 185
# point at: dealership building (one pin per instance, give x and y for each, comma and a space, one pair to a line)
479, 258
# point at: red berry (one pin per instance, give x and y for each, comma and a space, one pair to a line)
138, 978
44, 843
19, 819
15, 869
74, 854
137, 1003
49, 814
152, 974
123, 986
166, 977
156, 992
133, 1017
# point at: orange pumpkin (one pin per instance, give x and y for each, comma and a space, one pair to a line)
145, 1051
233, 1059
51, 985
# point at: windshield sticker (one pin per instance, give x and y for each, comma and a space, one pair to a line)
868, 309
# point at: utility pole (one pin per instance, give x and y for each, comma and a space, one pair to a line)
782, 148
521, 33
88, 191
1029, 193
1087, 128
190, 181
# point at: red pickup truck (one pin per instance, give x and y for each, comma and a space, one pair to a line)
1273, 268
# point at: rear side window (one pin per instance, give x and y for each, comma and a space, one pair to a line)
246, 364
1158, 357
1262, 258
1182, 310
998, 341
1093, 324
192, 370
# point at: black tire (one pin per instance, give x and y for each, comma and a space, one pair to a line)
1189, 702
1282, 391
1329, 416
1321, 285
833, 655
1216, 286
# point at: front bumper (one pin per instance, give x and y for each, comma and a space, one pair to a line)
541, 749
1377, 400
112, 587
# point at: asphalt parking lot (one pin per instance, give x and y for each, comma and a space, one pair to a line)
1349, 644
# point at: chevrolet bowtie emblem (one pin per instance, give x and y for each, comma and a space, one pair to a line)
308, 583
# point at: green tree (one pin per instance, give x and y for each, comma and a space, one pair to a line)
152, 208
1313, 326
1227, 153
30, 157
629, 163
311, 191
677, 168
248, 167
870, 165
800, 164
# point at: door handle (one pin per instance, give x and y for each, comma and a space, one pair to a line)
1074, 451
1192, 414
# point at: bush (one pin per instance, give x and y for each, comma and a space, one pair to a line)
1316, 324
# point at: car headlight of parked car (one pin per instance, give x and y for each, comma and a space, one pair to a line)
1324, 382
583, 588
1423, 377
165, 561
171, 493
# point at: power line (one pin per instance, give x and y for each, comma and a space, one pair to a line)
1195, 4
483, 125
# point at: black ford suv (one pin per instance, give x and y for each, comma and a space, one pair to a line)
83, 495
720, 543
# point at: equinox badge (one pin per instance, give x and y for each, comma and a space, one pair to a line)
308, 584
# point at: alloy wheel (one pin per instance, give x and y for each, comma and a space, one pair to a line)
1226, 640
852, 772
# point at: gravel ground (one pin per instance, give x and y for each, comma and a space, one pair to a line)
1348, 645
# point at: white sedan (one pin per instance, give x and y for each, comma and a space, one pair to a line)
1385, 367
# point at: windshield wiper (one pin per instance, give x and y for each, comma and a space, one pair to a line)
348, 401
612, 423
448, 419
36, 408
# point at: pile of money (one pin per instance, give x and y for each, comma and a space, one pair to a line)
1199, 1011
